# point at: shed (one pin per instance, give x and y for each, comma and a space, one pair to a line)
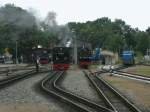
109, 57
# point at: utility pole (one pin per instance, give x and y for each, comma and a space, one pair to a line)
75, 51
75, 48
16, 52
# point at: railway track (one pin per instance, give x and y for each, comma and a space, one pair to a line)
106, 103
9, 70
113, 99
105, 71
50, 85
14, 78
12, 69
117, 71
132, 75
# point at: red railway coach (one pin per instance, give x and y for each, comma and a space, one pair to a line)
61, 58
42, 54
43, 60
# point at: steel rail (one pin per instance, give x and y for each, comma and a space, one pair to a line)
82, 100
15, 69
100, 92
118, 101
133, 75
79, 102
50, 90
117, 71
106, 71
16, 77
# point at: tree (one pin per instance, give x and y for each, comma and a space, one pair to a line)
143, 42
111, 35
15, 25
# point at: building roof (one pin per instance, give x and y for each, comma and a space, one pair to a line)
107, 53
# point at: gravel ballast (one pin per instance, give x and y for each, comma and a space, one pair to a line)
26, 96
76, 82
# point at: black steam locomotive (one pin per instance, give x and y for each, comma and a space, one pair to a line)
61, 58
84, 57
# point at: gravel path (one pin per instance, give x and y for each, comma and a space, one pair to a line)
26, 96
76, 82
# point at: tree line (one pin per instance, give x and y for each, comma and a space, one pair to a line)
112, 35
21, 26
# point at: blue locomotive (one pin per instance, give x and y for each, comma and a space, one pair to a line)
128, 57
97, 55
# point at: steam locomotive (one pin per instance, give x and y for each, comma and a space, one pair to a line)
61, 58
84, 57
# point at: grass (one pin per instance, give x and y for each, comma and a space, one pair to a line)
141, 70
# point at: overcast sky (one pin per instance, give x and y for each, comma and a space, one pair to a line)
135, 12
